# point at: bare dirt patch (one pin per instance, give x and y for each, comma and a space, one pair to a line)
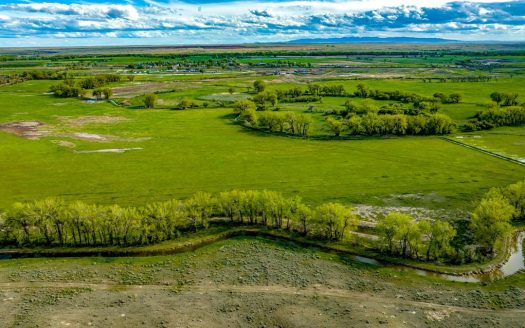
370, 213
112, 150
26, 129
437, 315
90, 136
34, 130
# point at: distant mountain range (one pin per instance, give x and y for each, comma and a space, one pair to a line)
352, 39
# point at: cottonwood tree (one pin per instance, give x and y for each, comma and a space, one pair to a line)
199, 209
229, 203
362, 91
107, 92
336, 220
305, 218
249, 116
515, 195
395, 228
242, 105
490, 222
303, 124
437, 236
21, 221
336, 126
259, 86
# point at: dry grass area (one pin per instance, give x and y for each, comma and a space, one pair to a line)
242, 282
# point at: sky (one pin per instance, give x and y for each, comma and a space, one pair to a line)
173, 22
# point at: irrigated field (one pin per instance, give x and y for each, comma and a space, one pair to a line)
173, 154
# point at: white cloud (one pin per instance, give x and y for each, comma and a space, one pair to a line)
256, 21
84, 10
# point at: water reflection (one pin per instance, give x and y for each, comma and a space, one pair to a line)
514, 264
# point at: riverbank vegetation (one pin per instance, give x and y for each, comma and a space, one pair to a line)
55, 222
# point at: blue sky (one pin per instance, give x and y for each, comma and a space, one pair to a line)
137, 22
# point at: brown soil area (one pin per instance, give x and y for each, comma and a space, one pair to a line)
28, 129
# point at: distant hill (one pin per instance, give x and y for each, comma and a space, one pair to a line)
352, 39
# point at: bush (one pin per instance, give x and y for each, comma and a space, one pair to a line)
242, 105
150, 100
64, 90
494, 117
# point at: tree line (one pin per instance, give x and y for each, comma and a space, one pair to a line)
373, 124
283, 122
44, 75
353, 108
55, 222
32, 75
70, 88
461, 79
495, 117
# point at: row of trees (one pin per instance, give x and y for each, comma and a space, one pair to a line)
70, 88
352, 107
373, 124
497, 116
280, 63
296, 95
98, 81
32, 75
363, 91
55, 222
44, 75
287, 122
186, 63
314, 92
458, 79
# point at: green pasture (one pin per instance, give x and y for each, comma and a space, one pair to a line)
506, 141
188, 151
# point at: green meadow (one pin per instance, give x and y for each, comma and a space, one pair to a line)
174, 153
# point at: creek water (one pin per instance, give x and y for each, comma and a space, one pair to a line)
514, 264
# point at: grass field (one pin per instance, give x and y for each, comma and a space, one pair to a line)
509, 142
187, 151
